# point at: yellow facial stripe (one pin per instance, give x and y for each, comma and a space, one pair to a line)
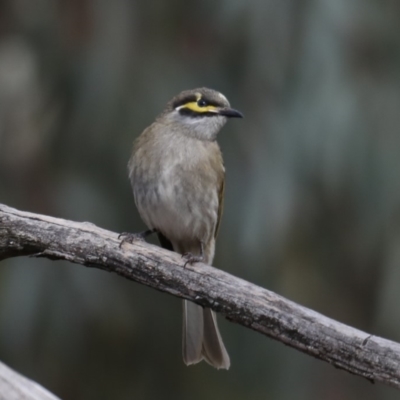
195, 107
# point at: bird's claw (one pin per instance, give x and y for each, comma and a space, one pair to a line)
191, 259
128, 237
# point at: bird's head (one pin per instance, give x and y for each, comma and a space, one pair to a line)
199, 112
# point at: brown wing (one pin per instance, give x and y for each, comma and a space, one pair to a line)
221, 192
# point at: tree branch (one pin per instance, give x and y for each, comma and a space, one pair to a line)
374, 358
14, 386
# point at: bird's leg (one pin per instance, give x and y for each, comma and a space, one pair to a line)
128, 237
191, 258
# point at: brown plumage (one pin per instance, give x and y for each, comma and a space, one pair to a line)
178, 176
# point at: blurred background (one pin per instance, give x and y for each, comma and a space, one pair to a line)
312, 207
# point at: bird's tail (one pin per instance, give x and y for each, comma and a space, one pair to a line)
201, 337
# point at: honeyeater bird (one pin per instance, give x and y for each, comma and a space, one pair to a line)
177, 175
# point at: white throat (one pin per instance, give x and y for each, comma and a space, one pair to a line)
203, 128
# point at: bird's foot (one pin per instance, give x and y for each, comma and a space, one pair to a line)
191, 259
128, 237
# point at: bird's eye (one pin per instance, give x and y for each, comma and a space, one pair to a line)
201, 103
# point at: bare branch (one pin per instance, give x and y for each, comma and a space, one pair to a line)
357, 352
14, 386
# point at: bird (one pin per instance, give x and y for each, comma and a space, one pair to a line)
178, 178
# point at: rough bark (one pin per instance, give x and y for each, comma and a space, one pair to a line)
374, 358
14, 386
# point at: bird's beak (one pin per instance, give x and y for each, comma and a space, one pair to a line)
230, 113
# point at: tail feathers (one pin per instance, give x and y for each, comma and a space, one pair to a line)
201, 337
213, 347
192, 333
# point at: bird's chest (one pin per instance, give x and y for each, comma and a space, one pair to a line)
178, 193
